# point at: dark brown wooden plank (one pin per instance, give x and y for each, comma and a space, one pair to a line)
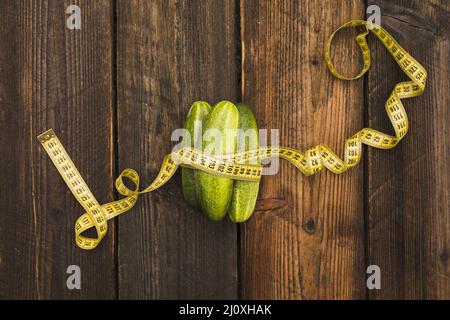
171, 53
306, 241
53, 77
408, 195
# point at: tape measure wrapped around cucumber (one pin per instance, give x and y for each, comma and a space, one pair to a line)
237, 130
227, 180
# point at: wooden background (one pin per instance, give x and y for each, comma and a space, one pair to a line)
116, 89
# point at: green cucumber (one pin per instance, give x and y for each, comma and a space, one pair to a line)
194, 121
245, 193
214, 192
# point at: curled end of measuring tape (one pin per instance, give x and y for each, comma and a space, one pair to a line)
362, 43
234, 166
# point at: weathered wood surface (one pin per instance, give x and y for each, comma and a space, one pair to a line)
51, 77
171, 54
116, 89
408, 187
307, 241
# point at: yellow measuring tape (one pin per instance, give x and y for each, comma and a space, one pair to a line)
235, 166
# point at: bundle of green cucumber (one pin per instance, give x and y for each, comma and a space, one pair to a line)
214, 195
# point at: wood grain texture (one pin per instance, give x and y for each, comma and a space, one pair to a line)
53, 77
408, 187
170, 54
306, 240
116, 89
